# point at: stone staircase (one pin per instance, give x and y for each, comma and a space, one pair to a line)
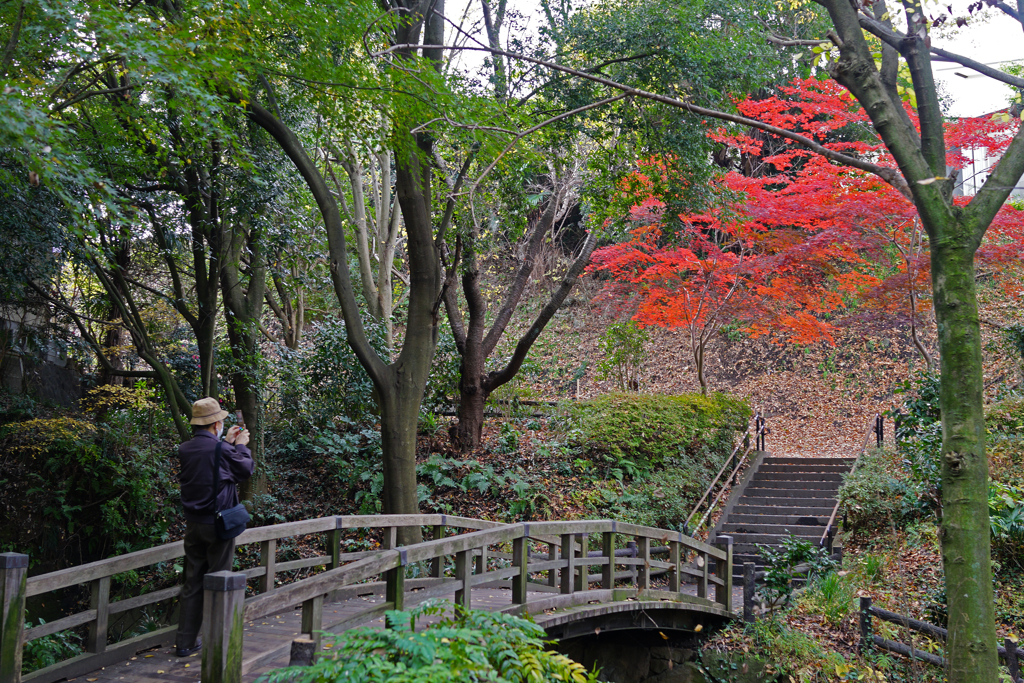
779, 497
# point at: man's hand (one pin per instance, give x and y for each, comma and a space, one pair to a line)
232, 434
242, 438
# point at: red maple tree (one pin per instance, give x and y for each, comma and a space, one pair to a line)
793, 237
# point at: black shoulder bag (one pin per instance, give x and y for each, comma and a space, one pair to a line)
230, 522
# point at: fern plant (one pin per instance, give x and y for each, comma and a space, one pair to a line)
459, 645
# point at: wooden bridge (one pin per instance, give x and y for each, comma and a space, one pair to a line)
643, 578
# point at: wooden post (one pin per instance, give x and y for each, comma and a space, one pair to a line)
675, 556
463, 570
631, 546
390, 540
583, 570
481, 561
520, 559
222, 627
334, 541
723, 570
13, 577
552, 573
702, 582
749, 587
99, 600
643, 572
302, 652
437, 564
313, 619
394, 589
865, 626
568, 583
608, 551
1012, 661
268, 559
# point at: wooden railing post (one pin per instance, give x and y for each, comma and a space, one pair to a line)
334, 541
268, 559
481, 561
437, 564
394, 589
723, 570
702, 582
13, 577
608, 551
865, 625
675, 557
99, 600
552, 573
749, 587
643, 571
222, 627
313, 619
521, 560
390, 539
302, 652
583, 570
463, 571
568, 572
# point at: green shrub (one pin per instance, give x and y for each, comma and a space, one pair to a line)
782, 562
48, 650
1007, 416
470, 645
831, 596
648, 428
1006, 519
83, 491
879, 493
662, 499
624, 350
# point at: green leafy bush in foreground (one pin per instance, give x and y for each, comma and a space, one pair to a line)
461, 645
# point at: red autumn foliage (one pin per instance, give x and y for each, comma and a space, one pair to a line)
798, 236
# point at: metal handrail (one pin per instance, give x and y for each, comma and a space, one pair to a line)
760, 431
826, 538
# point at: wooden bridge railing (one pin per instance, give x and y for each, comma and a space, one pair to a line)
16, 587
447, 564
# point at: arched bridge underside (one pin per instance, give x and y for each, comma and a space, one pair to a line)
635, 577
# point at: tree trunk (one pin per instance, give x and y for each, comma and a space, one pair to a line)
472, 400
243, 308
698, 360
965, 522
399, 419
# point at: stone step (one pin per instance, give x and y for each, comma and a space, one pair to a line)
781, 518
743, 508
750, 547
781, 484
822, 469
773, 540
767, 492
808, 461
783, 503
799, 476
732, 529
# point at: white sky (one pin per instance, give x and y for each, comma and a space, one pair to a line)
993, 39
994, 42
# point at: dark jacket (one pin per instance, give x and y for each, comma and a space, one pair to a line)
196, 475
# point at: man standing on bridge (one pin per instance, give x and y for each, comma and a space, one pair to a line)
205, 552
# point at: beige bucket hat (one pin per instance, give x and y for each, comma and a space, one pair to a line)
206, 411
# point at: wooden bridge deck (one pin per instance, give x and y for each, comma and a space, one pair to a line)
473, 568
267, 640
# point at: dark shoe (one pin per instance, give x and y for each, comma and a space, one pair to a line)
186, 651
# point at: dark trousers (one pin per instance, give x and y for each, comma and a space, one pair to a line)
204, 554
